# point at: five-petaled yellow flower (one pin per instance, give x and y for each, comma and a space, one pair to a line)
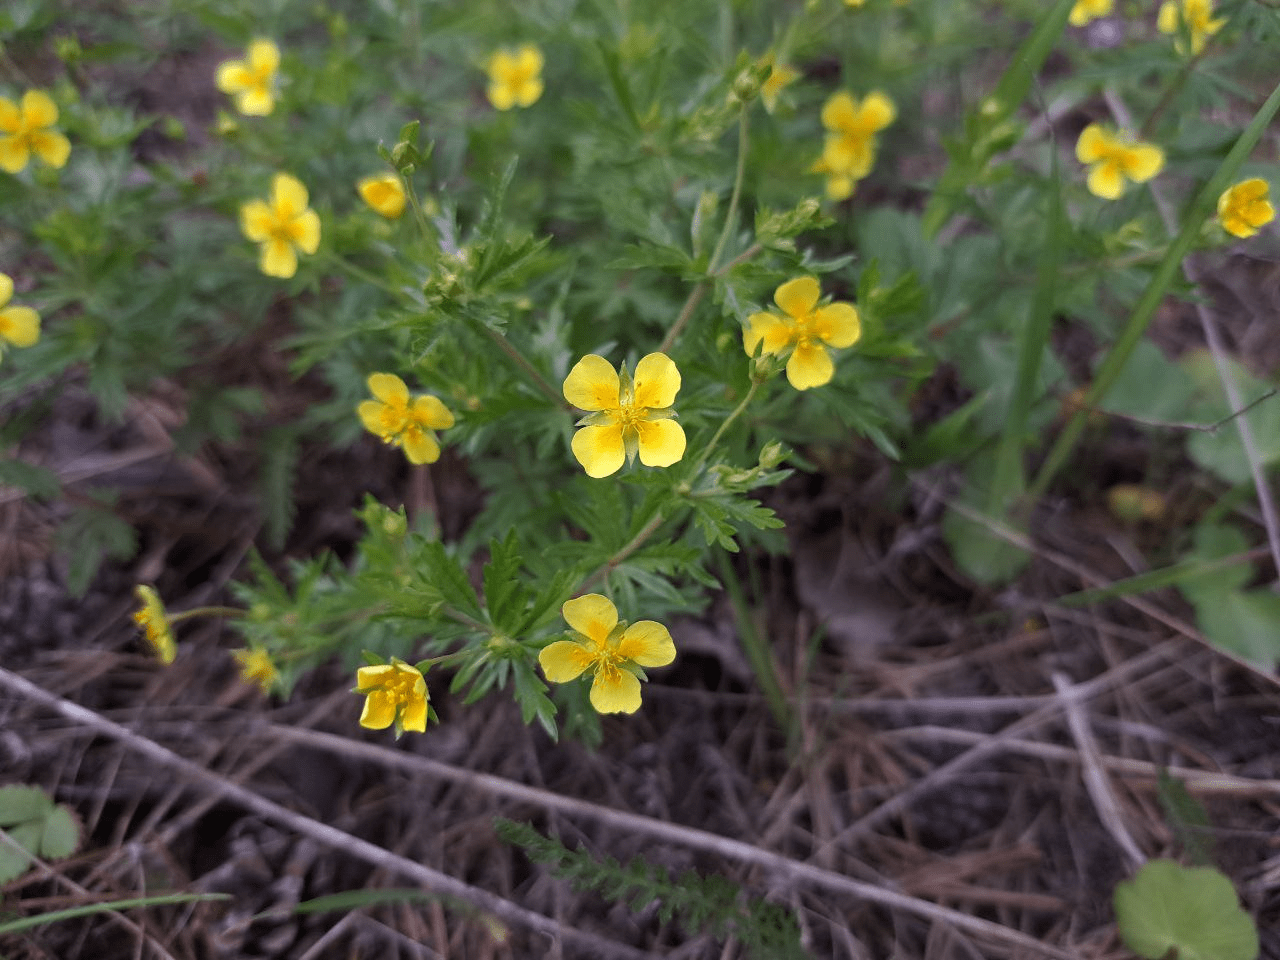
283, 224
1086, 10
780, 76
18, 325
1114, 158
155, 624
613, 651
251, 81
404, 421
850, 148
256, 667
384, 192
806, 327
25, 129
626, 415
1245, 207
395, 692
515, 77
1196, 16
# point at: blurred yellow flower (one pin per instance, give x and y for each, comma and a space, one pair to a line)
515, 77
282, 224
251, 81
25, 129
850, 148
404, 421
1086, 10
383, 192
1245, 207
395, 692
840, 186
18, 325
613, 651
1115, 157
256, 667
780, 76
1196, 16
155, 624
806, 328
626, 415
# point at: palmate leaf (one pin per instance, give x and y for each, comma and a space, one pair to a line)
1192, 910
35, 827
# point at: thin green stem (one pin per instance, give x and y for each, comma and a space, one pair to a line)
695, 297
737, 412
503, 344
634, 544
234, 612
731, 218
741, 258
428, 233
360, 273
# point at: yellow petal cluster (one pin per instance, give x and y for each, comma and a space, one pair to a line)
850, 147
26, 128
404, 421
395, 692
251, 81
781, 75
612, 651
283, 224
1114, 158
626, 415
257, 667
805, 329
383, 192
1245, 207
19, 325
1195, 16
515, 77
1087, 10
153, 620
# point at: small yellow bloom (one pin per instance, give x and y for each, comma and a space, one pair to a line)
18, 325
840, 186
850, 148
155, 624
256, 667
515, 77
395, 692
806, 328
384, 192
1115, 157
781, 75
404, 421
1197, 18
251, 81
613, 651
626, 416
282, 224
1086, 10
1242, 209
24, 130
855, 3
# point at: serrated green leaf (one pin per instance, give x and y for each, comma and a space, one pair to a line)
1193, 910
61, 834
35, 481
20, 803
13, 861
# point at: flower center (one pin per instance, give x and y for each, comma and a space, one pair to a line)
628, 415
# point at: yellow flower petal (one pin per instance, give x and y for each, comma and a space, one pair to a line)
256, 220
264, 57
10, 116
662, 442
232, 77
592, 384
839, 112
379, 711
564, 660
384, 193
1167, 19
810, 366
1105, 180
849, 155
430, 412
278, 259
414, 716
13, 154
255, 101
797, 297
615, 691
591, 615
876, 113
600, 449
305, 231
420, 446
20, 326
288, 196
370, 413
1142, 162
1094, 144
502, 96
657, 381
388, 388
769, 327
371, 677
51, 147
528, 92
528, 60
647, 643
38, 109
837, 324
6, 282
840, 187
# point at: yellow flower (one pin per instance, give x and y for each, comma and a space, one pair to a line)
18, 325
515, 77
281, 224
1086, 10
613, 651
384, 192
855, 3
626, 415
1242, 208
251, 81
851, 141
1115, 157
24, 130
256, 667
395, 692
840, 186
155, 624
403, 421
780, 76
1197, 18
808, 330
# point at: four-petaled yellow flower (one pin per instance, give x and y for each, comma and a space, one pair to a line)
1115, 157
613, 651
383, 192
1196, 16
155, 624
18, 325
395, 692
627, 415
780, 76
850, 148
806, 327
1086, 10
256, 667
515, 77
282, 224
24, 130
1245, 207
251, 81
404, 421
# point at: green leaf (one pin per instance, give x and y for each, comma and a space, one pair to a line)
1193, 910
14, 860
61, 834
36, 481
21, 803
1245, 623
